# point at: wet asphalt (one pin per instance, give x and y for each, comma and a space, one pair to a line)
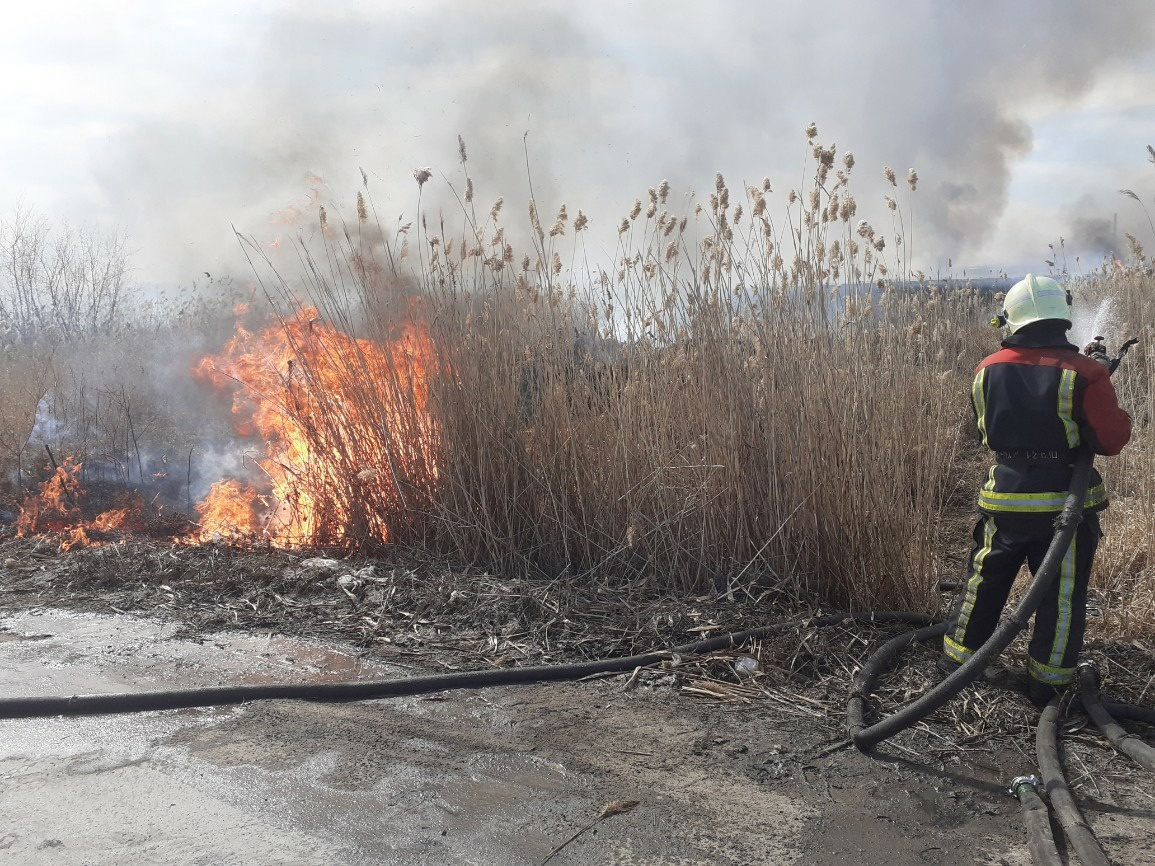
183, 787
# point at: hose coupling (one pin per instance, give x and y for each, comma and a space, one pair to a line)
1033, 782
1089, 675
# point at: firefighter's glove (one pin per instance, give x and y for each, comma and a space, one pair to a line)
1097, 349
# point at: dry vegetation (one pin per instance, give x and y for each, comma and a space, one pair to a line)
94, 371
1125, 565
743, 401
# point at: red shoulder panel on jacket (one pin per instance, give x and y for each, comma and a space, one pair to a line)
1047, 356
1098, 412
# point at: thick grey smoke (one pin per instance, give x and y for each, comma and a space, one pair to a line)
1094, 235
614, 97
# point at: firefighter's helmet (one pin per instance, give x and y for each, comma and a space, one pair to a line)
1033, 299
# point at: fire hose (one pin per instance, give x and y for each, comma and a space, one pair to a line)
1104, 718
865, 736
1035, 812
1078, 833
133, 702
1037, 817
1040, 840
1042, 846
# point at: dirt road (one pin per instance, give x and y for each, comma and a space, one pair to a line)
499, 776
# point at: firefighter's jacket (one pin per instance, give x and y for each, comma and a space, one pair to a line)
1036, 402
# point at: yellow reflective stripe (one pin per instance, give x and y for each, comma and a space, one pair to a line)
992, 500
979, 399
956, 650
1063, 622
1067, 407
1047, 499
1025, 509
973, 583
1050, 674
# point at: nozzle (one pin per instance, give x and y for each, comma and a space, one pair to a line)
1118, 359
998, 321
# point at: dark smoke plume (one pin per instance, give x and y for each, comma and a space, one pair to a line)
614, 97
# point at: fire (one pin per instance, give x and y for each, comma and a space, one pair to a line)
347, 441
126, 518
62, 502
228, 510
54, 508
344, 422
75, 537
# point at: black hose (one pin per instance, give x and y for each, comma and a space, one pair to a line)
1131, 712
1125, 742
76, 705
1037, 818
1066, 524
879, 663
1047, 754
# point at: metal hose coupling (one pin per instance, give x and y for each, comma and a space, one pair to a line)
1089, 673
1037, 818
1032, 782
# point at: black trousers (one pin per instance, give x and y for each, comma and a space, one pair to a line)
1002, 544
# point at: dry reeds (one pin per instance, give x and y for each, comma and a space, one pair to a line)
740, 403
1124, 580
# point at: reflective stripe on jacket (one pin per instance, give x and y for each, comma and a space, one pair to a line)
1036, 402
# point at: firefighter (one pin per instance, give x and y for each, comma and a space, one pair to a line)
1037, 402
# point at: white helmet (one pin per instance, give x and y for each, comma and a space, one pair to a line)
1033, 299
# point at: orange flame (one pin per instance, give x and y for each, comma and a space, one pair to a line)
75, 537
60, 506
349, 443
54, 507
128, 516
228, 511
335, 413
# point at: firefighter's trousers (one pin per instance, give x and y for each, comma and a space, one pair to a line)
1002, 544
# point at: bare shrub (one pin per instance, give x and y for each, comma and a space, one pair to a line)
58, 282
119, 401
26, 375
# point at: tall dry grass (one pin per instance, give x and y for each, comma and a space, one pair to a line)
740, 403
1124, 576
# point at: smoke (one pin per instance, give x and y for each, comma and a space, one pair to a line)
1094, 235
614, 98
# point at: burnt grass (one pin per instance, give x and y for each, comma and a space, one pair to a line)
439, 617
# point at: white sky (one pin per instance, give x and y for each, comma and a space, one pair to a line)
175, 122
